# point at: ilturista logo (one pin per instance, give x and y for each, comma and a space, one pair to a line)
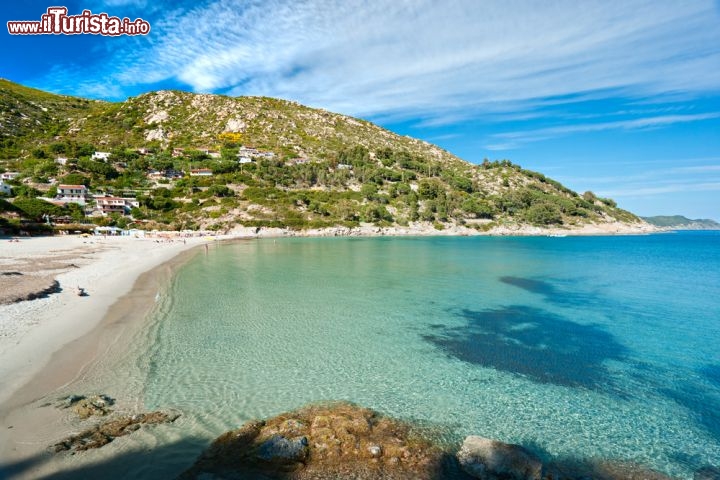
56, 21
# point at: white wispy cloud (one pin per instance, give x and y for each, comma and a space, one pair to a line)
655, 174
699, 169
428, 59
511, 140
653, 179
637, 191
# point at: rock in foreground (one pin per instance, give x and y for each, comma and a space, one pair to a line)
85, 407
321, 442
106, 432
489, 459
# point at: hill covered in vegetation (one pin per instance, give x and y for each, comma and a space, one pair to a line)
191, 161
679, 222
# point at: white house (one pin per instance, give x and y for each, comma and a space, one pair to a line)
5, 189
249, 151
101, 156
298, 161
201, 172
155, 174
72, 194
116, 204
244, 159
210, 153
61, 160
254, 152
9, 175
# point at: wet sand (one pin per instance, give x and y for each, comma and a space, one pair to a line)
71, 337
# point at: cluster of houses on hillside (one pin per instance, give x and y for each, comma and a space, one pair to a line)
169, 174
179, 152
248, 154
245, 154
105, 204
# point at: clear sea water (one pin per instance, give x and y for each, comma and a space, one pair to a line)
577, 347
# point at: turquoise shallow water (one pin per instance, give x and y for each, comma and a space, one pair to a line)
595, 347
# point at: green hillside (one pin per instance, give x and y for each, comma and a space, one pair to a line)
682, 223
312, 168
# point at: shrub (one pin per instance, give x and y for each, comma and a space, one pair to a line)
543, 213
34, 208
429, 189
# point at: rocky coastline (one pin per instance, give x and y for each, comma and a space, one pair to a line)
343, 440
340, 440
430, 229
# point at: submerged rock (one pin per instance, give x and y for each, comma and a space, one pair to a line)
108, 431
321, 442
707, 473
489, 459
600, 469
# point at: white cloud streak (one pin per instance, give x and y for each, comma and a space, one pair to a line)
654, 182
648, 191
429, 59
511, 140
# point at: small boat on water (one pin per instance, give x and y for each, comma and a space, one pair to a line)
557, 235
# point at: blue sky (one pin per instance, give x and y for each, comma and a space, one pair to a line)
618, 97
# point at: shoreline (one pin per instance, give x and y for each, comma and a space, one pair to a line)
19, 361
71, 333
428, 229
64, 317
61, 337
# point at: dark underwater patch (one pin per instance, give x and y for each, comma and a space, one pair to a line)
550, 292
704, 406
712, 373
532, 342
531, 285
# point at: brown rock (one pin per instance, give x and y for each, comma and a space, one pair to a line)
85, 407
106, 432
489, 459
324, 442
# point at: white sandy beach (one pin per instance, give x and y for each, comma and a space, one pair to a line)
31, 331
